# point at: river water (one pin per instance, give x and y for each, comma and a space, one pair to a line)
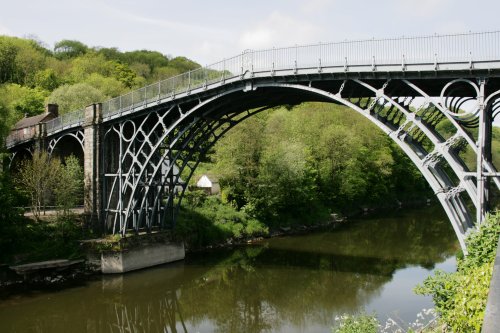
287, 284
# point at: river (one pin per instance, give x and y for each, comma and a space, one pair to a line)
287, 284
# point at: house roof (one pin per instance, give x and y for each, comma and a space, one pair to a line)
206, 181
31, 121
213, 178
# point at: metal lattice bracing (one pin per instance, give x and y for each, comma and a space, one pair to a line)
77, 135
145, 185
153, 138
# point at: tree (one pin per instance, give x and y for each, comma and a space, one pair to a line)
9, 216
32, 103
46, 79
69, 188
37, 177
29, 60
109, 86
162, 73
124, 74
151, 58
66, 49
20, 100
8, 53
183, 64
76, 96
85, 65
4, 127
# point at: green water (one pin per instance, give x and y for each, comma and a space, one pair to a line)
288, 284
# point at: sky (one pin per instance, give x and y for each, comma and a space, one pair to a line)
208, 31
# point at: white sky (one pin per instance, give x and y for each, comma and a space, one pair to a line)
207, 31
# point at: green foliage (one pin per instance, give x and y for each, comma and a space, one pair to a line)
19, 100
46, 79
460, 298
37, 178
20, 59
10, 217
482, 244
357, 324
124, 74
54, 238
293, 165
29, 73
108, 86
162, 73
31, 103
8, 53
205, 220
183, 64
66, 49
74, 97
82, 67
4, 123
153, 59
69, 188
16, 101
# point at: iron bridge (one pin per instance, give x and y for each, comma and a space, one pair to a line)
141, 149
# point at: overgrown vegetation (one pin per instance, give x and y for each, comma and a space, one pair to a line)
357, 324
295, 166
25, 239
46, 180
41, 181
361, 323
205, 220
73, 74
10, 217
460, 298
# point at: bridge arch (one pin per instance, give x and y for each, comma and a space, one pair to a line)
18, 156
67, 144
167, 141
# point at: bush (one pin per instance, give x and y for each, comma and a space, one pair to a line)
460, 298
356, 324
205, 220
11, 220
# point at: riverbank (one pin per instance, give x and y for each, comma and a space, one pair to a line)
74, 231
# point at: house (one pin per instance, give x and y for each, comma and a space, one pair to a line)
28, 127
209, 184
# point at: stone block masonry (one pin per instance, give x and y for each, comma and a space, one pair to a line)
92, 160
141, 257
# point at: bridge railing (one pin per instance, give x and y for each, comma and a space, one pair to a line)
200, 77
65, 121
435, 49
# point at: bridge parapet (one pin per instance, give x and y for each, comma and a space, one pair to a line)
23, 135
429, 53
66, 121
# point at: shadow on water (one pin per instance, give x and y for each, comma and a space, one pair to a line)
293, 283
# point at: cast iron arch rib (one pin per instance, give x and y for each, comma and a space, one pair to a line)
181, 137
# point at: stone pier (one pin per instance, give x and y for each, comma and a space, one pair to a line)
141, 257
92, 165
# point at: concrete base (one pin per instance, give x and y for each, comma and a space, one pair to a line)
141, 257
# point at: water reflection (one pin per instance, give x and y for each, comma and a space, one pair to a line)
288, 284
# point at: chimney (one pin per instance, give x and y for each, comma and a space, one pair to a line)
53, 109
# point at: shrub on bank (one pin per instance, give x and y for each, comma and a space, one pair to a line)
205, 220
460, 298
356, 324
